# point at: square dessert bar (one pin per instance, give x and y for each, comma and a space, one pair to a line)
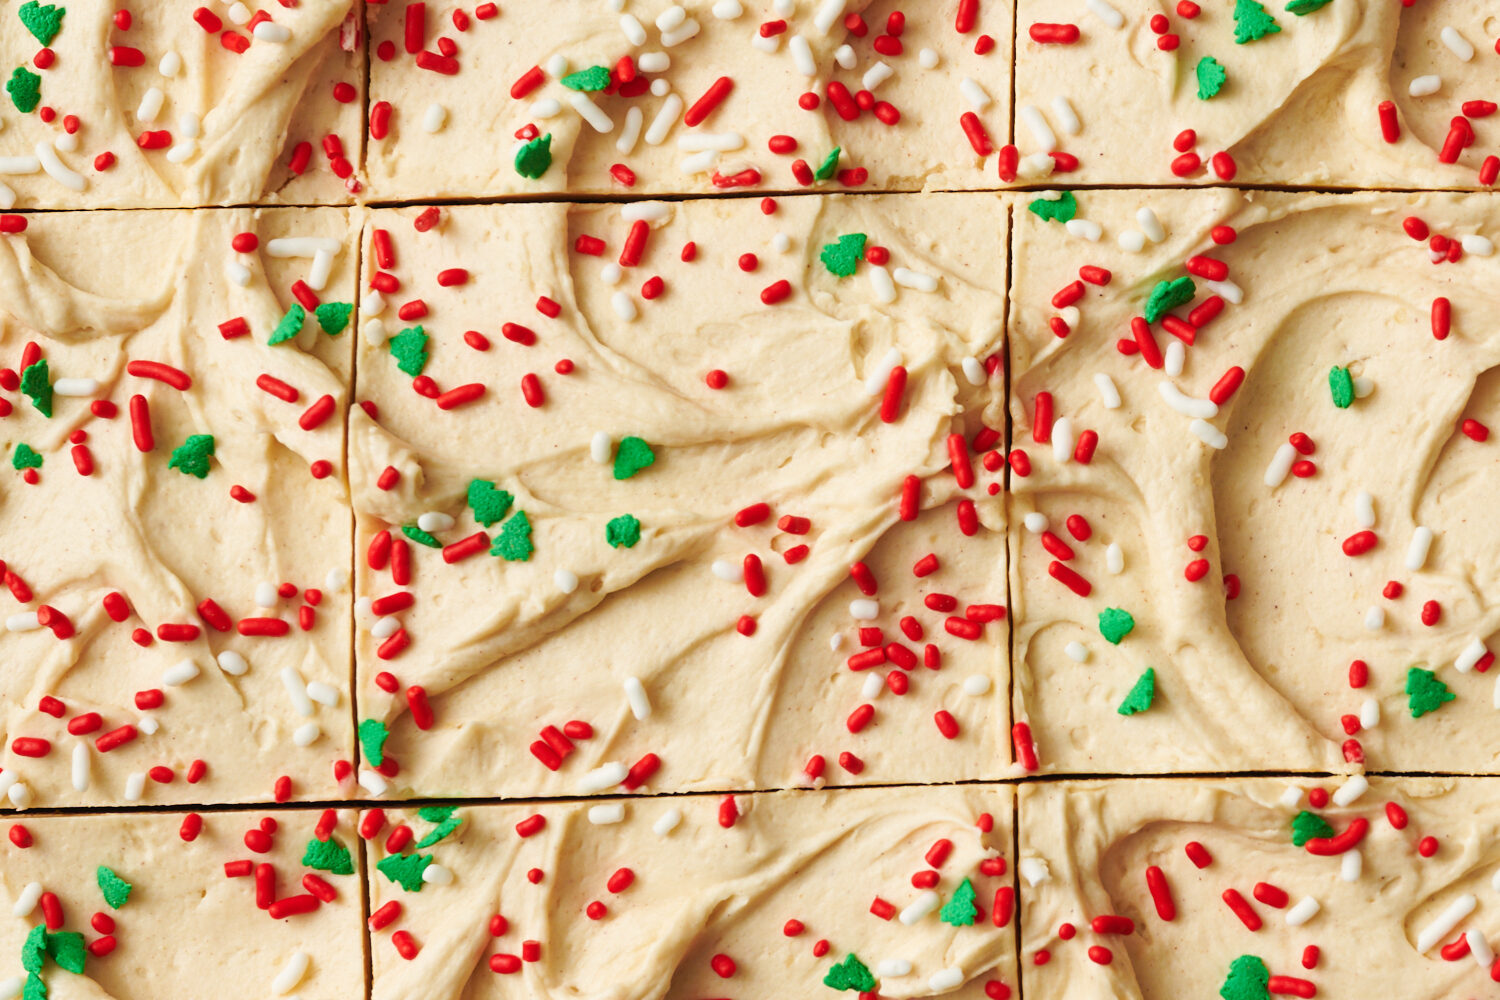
697, 97
1350, 93
907, 891
174, 106
147, 905
664, 495
174, 517
1162, 888
1250, 478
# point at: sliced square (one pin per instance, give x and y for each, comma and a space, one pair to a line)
623, 503
904, 890
148, 905
175, 107
174, 519
696, 98
1352, 93
1258, 887
1269, 496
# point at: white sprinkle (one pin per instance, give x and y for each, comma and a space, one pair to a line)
728, 10
925, 903
270, 31
1479, 948
296, 967
635, 31
630, 132
232, 663
665, 118
1479, 246
1131, 240
646, 211
927, 59
881, 373
336, 580
1067, 118
66, 143
1375, 618
322, 268
1369, 713
721, 142
1364, 509
729, 572
170, 65
56, 169
1063, 439
546, 107
150, 106
1416, 552
148, 725
557, 65
8, 780
1114, 559
827, 15
907, 278
802, 57
436, 874
385, 627
1351, 865
1445, 922
624, 306
1281, 465
307, 734
700, 163
1290, 797
688, 30
22, 621
1084, 229
1040, 130
635, 694
19, 164
11, 987
601, 447
670, 18
135, 786
1036, 522
950, 978
565, 580
1425, 86
1209, 434
266, 595
976, 685
591, 112
1189, 406
668, 822
893, 968
296, 689
1035, 166
974, 371
1363, 387
434, 521
180, 674
7, 197
1173, 358
434, 118
974, 94
885, 289
1033, 870
26, 900
781, 242
872, 686
372, 782
81, 766
845, 57
1350, 791
1471, 655
1104, 12
660, 87
1304, 910
864, 609
239, 13
604, 776
1070, 315
301, 246
607, 813
1150, 225
654, 62
1457, 44
1109, 394
1077, 652
876, 75
240, 274
323, 694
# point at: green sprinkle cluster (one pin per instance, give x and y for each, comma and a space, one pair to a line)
1211, 77
1060, 209
843, 255
1168, 295
1309, 826
960, 910
513, 543
1341, 387
289, 326
850, 974
328, 856
191, 457
36, 384
1141, 695
829, 165
1252, 22
1425, 693
409, 348
533, 159
623, 531
405, 870
1248, 979
372, 736
25, 90
1115, 624
632, 455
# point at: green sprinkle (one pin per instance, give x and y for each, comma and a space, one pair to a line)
36, 383
1059, 209
533, 159
34, 949
436, 814
191, 457
372, 736
843, 255
43, 22
1168, 295
1301, 7
421, 537
1341, 386
409, 348
333, 317
289, 326
35, 989
593, 78
405, 870
116, 890
1425, 693
1115, 624
829, 165
1309, 826
1249, 979
633, 455
488, 503
328, 856
1211, 77
850, 974
25, 457
442, 830
1141, 695
624, 530
513, 543
960, 910
25, 89
1252, 21
66, 949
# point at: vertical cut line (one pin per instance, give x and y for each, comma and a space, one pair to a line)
1015, 875
350, 404
1010, 532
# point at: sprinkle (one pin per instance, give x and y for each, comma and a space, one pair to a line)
1457, 43
851, 974
1470, 656
1186, 405
1115, 624
843, 255
623, 531
632, 455
1104, 12
1252, 22
36, 385
25, 89
1416, 552
1059, 209
1425, 86
1211, 78
1040, 130
1209, 434
1439, 927
635, 695
1425, 693
1141, 695
513, 542
405, 870
115, 889
1168, 295
535, 157
296, 967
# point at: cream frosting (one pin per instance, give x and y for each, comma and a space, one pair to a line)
506, 648
697, 892
472, 151
98, 292
1260, 681
1091, 843
167, 73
